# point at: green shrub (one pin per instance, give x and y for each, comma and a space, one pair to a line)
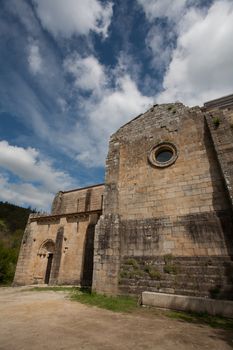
168, 258
216, 121
124, 274
153, 272
131, 274
8, 259
132, 262
170, 269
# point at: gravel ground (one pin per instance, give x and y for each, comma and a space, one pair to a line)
49, 320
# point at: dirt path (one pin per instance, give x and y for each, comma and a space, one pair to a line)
48, 320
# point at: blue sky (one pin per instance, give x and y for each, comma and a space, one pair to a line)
73, 71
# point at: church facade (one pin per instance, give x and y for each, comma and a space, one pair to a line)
163, 219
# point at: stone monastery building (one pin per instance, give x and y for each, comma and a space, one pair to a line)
163, 219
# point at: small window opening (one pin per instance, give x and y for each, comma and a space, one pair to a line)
164, 156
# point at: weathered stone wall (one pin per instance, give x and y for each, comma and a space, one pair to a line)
70, 229
222, 138
107, 254
69, 235
80, 200
186, 187
203, 276
183, 210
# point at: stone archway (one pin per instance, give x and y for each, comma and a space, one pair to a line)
45, 259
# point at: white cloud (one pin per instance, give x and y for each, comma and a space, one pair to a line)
114, 101
160, 41
201, 67
24, 194
118, 105
27, 165
65, 18
195, 47
161, 37
34, 58
88, 73
163, 8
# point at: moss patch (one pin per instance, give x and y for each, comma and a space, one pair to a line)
113, 303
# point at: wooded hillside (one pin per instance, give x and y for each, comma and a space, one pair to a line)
13, 220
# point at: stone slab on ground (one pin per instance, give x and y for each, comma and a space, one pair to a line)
188, 303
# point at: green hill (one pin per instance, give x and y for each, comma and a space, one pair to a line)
13, 220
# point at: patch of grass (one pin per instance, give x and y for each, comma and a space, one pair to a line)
113, 303
202, 318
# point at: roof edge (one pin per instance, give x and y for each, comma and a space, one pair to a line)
82, 188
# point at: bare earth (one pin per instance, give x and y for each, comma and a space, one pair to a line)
48, 320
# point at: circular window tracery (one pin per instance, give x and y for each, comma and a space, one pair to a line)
163, 154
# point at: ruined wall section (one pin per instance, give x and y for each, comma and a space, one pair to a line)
77, 201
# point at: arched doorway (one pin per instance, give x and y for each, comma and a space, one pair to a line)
46, 251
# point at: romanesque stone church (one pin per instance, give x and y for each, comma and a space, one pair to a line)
162, 221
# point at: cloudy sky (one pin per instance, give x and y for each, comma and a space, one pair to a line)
73, 71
